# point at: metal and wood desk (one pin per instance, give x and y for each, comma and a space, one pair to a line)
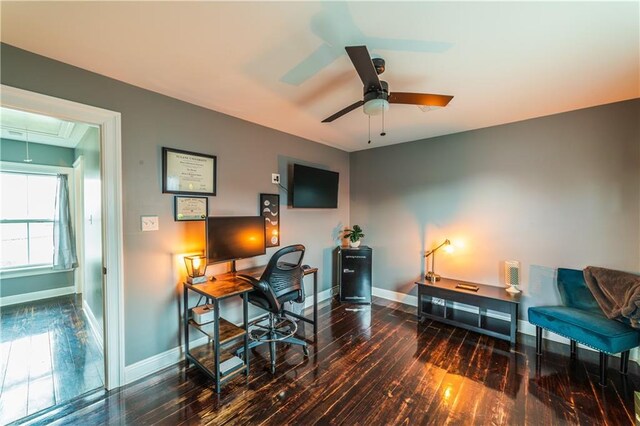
431, 296
221, 332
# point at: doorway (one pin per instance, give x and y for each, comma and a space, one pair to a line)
107, 315
51, 301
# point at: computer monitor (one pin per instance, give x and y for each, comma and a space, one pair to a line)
235, 237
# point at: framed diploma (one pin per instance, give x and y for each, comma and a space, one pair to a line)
190, 208
185, 172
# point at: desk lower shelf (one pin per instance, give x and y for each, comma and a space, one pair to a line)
228, 331
204, 357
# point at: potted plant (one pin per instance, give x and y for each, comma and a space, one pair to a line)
354, 235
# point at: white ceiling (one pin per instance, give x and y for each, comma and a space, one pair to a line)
503, 61
29, 127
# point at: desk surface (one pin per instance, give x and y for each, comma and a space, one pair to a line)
488, 291
221, 289
255, 272
229, 284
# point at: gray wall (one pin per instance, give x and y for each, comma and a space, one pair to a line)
558, 191
30, 284
247, 155
14, 151
92, 291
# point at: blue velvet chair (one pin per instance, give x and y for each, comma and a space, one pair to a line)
581, 320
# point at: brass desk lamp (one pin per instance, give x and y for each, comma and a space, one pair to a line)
431, 275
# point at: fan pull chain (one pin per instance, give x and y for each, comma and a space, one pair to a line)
383, 133
369, 129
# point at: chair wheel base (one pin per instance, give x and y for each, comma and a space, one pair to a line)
305, 350
273, 369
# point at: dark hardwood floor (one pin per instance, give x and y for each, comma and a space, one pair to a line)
380, 367
47, 356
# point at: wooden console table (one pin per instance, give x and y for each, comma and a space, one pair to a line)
486, 298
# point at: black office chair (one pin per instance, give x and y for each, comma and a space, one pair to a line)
280, 282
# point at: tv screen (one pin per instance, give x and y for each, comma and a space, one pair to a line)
314, 188
234, 237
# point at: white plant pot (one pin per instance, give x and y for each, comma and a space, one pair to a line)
354, 245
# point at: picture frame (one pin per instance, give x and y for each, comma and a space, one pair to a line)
270, 210
188, 173
187, 209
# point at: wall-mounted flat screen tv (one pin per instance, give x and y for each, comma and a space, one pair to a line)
234, 237
314, 188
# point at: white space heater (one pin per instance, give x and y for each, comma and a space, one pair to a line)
512, 275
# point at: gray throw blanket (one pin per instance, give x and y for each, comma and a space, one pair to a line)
617, 293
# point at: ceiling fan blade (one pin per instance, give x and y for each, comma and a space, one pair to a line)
361, 59
426, 99
343, 112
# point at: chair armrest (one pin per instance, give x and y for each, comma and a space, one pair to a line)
257, 284
263, 288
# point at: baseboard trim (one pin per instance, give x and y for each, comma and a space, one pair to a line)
36, 295
322, 296
168, 358
93, 325
524, 327
157, 362
403, 298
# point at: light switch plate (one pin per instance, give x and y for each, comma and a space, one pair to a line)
275, 178
149, 223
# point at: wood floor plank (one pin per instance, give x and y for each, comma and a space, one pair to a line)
39, 366
387, 395
473, 393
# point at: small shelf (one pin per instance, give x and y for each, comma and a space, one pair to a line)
205, 356
496, 325
228, 331
430, 308
463, 317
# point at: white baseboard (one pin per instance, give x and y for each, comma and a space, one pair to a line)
524, 327
323, 295
93, 325
157, 362
406, 299
36, 295
168, 358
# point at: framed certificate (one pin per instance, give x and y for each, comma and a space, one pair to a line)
185, 172
190, 208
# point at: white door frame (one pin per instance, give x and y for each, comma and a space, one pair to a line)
78, 174
111, 153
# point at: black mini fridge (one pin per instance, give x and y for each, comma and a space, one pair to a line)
354, 274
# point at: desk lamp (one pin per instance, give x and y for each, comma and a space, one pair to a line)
196, 267
431, 275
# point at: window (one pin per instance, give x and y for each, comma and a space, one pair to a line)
27, 207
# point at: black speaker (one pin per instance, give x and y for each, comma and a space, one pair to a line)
354, 274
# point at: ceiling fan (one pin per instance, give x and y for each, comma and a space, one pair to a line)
376, 98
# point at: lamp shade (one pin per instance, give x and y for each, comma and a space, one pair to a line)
376, 106
196, 266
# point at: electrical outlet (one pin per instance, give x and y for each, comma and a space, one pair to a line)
437, 301
149, 223
275, 178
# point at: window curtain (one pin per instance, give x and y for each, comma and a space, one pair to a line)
64, 244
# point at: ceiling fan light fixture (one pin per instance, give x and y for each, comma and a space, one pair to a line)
376, 106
